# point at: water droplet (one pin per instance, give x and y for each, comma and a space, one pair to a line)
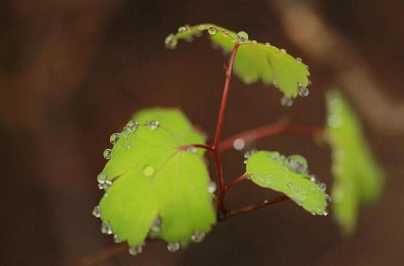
276, 155
192, 149
238, 144
299, 60
117, 239
325, 213
211, 187
297, 163
136, 250
201, 27
212, 30
267, 44
312, 178
198, 237
96, 212
106, 185
173, 247
156, 226
322, 186
249, 153
303, 91
131, 126
107, 154
106, 228
171, 41
283, 51
242, 36
101, 178
153, 124
114, 138
286, 101
148, 170
183, 28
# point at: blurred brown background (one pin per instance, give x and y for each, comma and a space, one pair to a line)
72, 72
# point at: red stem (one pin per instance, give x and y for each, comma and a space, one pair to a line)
218, 133
270, 130
251, 208
235, 181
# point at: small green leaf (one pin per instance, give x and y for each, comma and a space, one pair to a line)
155, 187
358, 178
254, 61
288, 176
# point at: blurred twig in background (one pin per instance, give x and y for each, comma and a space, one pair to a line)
327, 48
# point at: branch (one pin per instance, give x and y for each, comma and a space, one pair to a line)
271, 130
251, 208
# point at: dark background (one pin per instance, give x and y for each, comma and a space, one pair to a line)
73, 71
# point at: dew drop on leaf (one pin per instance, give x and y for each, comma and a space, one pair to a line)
183, 28
173, 247
106, 228
117, 240
96, 212
170, 41
286, 101
297, 163
211, 187
212, 30
153, 124
107, 154
148, 170
303, 91
101, 178
198, 237
136, 250
249, 153
242, 36
114, 138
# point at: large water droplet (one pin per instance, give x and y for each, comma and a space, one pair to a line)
198, 237
286, 101
96, 212
148, 170
173, 247
212, 30
322, 186
107, 154
211, 187
114, 138
242, 36
297, 163
136, 250
299, 60
101, 178
239, 144
153, 124
171, 41
106, 228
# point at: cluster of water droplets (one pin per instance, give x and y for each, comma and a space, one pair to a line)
136, 250
103, 182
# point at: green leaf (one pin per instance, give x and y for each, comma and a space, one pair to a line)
358, 178
155, 187
254, 61
288, 176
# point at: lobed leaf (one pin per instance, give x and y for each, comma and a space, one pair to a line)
288, 176
254, 61
156, 188
358, 178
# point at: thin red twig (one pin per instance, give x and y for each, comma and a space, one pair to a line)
251, 208
270, 130
235, 181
